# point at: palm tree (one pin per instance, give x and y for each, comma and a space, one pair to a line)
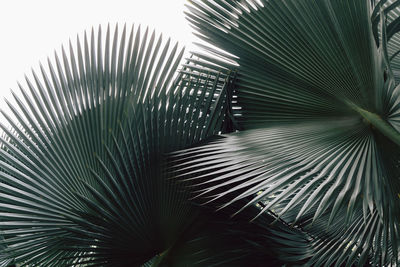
290, 130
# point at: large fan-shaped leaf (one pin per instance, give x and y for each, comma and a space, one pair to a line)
320, 92
81, 179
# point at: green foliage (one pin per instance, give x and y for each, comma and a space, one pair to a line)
120, 155
317, 99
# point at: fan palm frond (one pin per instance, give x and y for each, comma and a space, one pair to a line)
290, 121
319, 107
89, 146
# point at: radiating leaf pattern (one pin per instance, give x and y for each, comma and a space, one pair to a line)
81, 179
319, 107
293, 128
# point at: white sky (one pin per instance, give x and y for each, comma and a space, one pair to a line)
32, 30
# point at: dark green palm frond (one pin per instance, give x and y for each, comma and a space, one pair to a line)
83, 181
313, 86
348, 92
312, 80
108, 105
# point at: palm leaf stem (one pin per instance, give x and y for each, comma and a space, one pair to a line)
376, 121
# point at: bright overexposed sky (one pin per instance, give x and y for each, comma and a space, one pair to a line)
31, 30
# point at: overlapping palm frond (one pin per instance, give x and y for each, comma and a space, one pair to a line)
81, 179
293, 125
82, 169
319, 107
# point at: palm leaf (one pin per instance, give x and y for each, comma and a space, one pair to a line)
83, 181
319, 107
81, 176
82, 170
